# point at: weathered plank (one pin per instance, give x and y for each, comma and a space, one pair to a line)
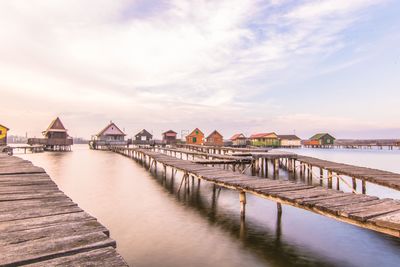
98, 257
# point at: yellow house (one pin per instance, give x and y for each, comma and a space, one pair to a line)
3, 135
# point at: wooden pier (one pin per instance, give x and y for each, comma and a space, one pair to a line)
367, 143
41, 226
381, 215
380, 177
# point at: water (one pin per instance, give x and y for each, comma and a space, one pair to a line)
155, 226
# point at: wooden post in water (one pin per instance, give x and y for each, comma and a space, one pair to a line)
321, 176
364, 187
354, 184
242, 198
276, 168
329, 179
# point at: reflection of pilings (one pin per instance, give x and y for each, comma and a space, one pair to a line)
242, 199
242, 232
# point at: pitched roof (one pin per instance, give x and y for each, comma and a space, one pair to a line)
262, 135
1, 125
111, 125
170, 131
237, 136
144, 132
55, 126
319, 136
288, 137
214, 132
194, 132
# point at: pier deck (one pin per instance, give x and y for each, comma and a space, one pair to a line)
40, 225
380, 177
381, 215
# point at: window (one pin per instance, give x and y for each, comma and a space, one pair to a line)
194, 139
1, 132
197, 132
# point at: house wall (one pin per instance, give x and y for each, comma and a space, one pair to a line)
215, 140
271, 142
327, 140
195, 139
57, 135
143, 137
290, 143
3, 136
111, 138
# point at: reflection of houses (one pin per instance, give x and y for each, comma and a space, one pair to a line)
196, 137
3, 135
143, 137
111, 135
56, 137
169, 137
320, 140
239, 140
264, 139
289, 140
214, 139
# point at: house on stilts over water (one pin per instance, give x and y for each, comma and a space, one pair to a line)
111, 135
56, 137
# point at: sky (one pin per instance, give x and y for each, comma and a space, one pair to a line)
284, 66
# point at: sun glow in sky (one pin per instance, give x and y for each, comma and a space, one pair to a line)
232, 65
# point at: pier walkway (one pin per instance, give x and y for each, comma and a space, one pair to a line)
381, 215
380, 177
41, 226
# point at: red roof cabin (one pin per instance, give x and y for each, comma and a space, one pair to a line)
169, 137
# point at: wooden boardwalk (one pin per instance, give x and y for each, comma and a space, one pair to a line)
41, 226
381, 215
380, 177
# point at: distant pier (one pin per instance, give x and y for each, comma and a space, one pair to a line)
41, 226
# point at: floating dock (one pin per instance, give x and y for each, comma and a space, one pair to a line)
41, 226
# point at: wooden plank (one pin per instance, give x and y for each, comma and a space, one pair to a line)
52, 231
98, 257
39, 222
29, 212
48, 247
389, 220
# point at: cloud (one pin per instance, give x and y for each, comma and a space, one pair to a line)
161, 60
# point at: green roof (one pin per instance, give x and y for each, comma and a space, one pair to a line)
319, 136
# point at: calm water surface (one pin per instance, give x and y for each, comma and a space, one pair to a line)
155, 226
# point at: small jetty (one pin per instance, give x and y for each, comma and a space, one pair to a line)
41, 226
381, 215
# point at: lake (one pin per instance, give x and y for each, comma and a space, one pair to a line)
155, 226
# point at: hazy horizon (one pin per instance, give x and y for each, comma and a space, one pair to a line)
236, 66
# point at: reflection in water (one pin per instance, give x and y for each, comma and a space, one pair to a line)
201, 225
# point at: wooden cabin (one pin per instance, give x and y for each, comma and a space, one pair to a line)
169, 137
239, 140
265, 139
214, 139
111, 135
289, 140
56, 137
3, 135
143, 136
196, 137
320, 140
